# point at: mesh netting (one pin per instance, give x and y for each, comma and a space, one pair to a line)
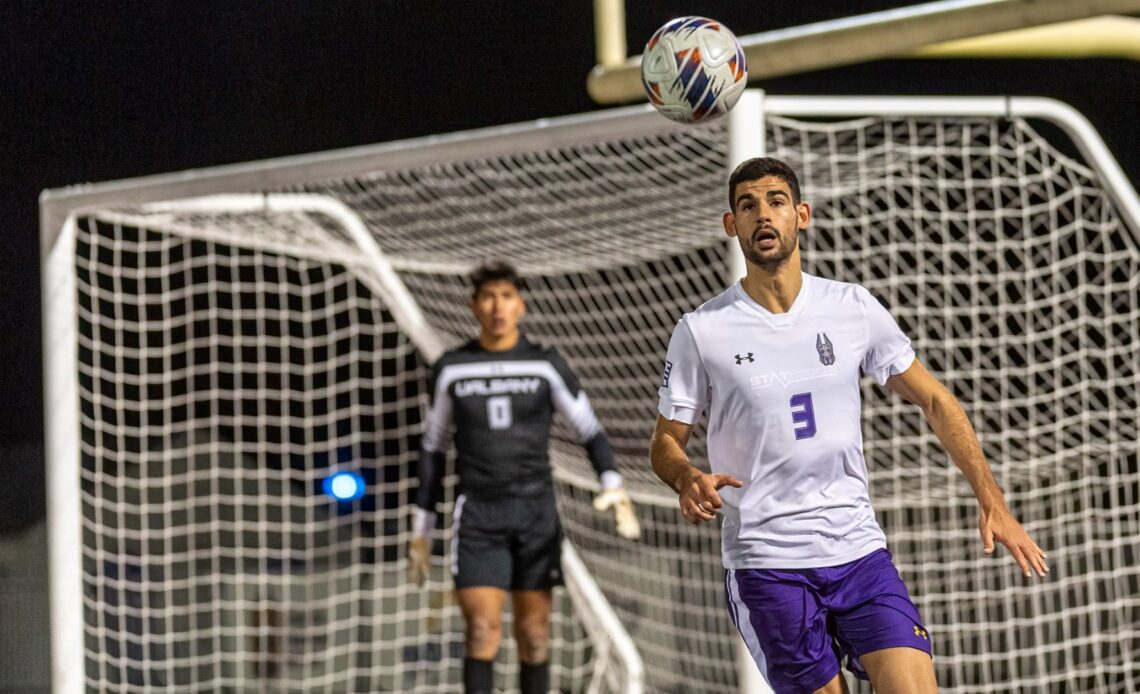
229, 361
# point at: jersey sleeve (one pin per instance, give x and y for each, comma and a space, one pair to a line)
433, 445
684, 391
570, 400
889, 351
438, 430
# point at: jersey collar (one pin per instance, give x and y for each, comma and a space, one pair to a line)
778, 320
521, 346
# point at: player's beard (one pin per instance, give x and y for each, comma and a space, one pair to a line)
770, 261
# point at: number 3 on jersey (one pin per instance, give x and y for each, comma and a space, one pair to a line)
499, 412
803, 416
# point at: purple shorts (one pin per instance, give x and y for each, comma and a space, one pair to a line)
800, 624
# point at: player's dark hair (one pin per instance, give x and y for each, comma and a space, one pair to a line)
757, 168
494, 271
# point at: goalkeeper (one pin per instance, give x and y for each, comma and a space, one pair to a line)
498, 394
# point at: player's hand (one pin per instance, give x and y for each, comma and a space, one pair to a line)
999, 524
699, 498
419, 557
627, 524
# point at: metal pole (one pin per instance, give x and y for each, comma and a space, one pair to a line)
746, 139
609, 32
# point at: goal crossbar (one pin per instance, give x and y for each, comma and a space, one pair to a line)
58, 203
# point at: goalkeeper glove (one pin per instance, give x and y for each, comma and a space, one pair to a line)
419, 555
627, 524
419, 548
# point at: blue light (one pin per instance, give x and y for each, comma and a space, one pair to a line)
344, 486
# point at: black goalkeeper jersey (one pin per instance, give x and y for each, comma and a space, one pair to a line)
500, 405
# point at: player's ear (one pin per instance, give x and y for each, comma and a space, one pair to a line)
728, 220
803, 212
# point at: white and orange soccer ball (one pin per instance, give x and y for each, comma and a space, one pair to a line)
693, 69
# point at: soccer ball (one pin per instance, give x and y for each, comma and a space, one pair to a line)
693, 69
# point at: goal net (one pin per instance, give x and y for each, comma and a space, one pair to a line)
214, 360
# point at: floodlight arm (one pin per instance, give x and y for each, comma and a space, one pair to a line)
865, 37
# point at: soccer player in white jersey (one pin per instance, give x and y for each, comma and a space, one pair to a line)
775, 361
499, 393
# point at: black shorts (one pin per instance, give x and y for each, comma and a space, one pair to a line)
510, 543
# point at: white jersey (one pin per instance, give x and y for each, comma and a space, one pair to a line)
783, 401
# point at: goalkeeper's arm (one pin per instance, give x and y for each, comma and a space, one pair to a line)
427, 496
612, 494
430, 491
571, 401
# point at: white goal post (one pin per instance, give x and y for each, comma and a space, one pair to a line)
217, 342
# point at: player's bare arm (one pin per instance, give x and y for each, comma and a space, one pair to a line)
696, 490
952, 427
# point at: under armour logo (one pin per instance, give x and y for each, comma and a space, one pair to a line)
825, 349
746, 357
921, 632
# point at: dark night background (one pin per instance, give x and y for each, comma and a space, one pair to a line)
97, 91
102, 91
